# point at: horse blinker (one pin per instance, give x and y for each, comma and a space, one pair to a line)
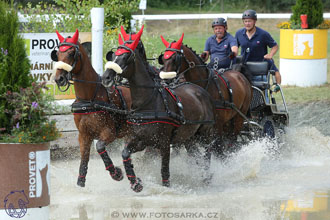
160, 59
109, 55
54, 56
177, 59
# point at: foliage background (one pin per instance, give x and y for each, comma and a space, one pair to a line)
312, 8
23, 104
196, 31
14, 63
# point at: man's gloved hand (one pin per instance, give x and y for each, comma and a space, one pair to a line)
231, 55
203, 55
277, 88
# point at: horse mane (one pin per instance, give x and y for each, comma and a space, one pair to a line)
140, 50
143, 55
195, 53
83, 51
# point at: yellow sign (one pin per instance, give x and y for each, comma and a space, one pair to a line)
53, 90
318, 202
303, 44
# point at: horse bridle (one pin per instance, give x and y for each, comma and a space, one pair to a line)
118, 78
130, 59
69, 74
178, 61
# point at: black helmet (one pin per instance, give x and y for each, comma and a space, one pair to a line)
219, 22
252, 14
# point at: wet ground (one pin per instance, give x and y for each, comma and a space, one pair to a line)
263, 180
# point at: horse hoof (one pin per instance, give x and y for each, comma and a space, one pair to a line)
81, 181
118, 175
137, 186
166, 183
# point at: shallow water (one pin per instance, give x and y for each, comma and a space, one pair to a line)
262, 181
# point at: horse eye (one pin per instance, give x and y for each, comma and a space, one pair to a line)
71, 54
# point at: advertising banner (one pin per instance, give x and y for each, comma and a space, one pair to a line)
303, 44
39, 47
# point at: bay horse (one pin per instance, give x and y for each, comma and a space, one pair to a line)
160, 115
231, 90
92, 122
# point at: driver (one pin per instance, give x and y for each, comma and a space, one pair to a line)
222, 46
254, 42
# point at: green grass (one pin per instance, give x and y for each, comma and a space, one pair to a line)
295, 94
197, 31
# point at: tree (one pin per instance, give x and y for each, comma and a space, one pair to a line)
14, 63
312, 8
118, 12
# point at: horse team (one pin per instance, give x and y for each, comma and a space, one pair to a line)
186, 104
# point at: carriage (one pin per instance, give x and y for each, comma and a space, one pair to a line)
268, 112
265, 114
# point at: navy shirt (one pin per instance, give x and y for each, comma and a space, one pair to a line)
220, 51
255, 49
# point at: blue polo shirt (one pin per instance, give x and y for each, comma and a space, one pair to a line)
255, 48
219, 51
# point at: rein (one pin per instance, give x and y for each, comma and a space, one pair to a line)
84, 104
191, 64
69, 75
212, 77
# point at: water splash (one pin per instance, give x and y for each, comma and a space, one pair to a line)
251, 183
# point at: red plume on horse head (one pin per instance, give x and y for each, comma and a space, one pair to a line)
120, 40
175, 45
132, 46
127, 36
73, 40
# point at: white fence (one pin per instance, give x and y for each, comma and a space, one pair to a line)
25, 18
141, 18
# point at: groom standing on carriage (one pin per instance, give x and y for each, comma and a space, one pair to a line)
222, 46
254, 42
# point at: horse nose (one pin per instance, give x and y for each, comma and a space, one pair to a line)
106, 80
60, 81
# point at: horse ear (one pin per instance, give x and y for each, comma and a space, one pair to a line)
136, 41
75, 37
164, 41
60, 37
120, 40
180, 40
109, 55
123, 32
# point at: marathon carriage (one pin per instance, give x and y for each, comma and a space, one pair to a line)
268, 111
246, 109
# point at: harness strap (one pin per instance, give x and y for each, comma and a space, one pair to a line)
122, 100
178, 102
85, 107
162, 92
227, 84
147, 117
214, 76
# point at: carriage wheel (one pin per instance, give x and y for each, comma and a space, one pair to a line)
268, 127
